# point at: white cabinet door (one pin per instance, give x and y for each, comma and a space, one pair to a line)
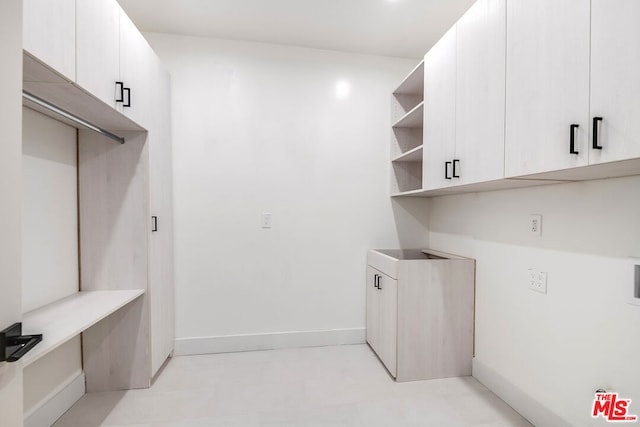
372, 308
49, 33
388, 322
382, 317
439, 112
480, 92
547, 85
98, 55
136, 71
615, 82
10, 194
161, 280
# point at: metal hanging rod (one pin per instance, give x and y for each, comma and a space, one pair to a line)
67, 115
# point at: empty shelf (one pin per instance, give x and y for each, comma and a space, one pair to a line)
413, 119
413, 155
62, 320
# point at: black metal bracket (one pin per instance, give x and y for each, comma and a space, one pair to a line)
14, 345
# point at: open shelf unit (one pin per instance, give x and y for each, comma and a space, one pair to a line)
407, 116
62, 320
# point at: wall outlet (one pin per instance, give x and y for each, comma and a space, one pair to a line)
266, 220
537, 280
535, 225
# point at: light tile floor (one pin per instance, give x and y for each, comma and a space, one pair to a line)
319, 386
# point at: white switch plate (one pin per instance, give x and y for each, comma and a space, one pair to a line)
266, 220
537, 280
535, 225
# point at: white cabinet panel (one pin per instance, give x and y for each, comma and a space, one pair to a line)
439, 111
136, 70
49, 33
161, 204
49, 210
615, 85
480, 92
382, 316
98, 51
547, 84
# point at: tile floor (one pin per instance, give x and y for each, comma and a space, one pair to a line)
319, 386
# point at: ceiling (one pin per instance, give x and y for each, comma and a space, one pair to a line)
400, 28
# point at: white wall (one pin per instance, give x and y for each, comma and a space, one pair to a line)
50, 243
302, 134
547, 354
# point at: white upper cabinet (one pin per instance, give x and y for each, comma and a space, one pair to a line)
615, 81
480, 93
49, 33
137, 62
547, 85
439, 112
98, 48
464, 108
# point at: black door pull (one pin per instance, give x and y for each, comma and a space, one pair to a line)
154, 223
455, 161
127, 103
595, 133
446, 170
119, 92
572, 139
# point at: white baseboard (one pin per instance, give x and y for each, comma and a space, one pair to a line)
53, 407
536, 413
234, 343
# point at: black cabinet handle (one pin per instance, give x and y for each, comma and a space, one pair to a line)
455, 161
572, 139
127, 103
154, 223
376, 281
379, 285
446, 170
119, 92
595, 133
